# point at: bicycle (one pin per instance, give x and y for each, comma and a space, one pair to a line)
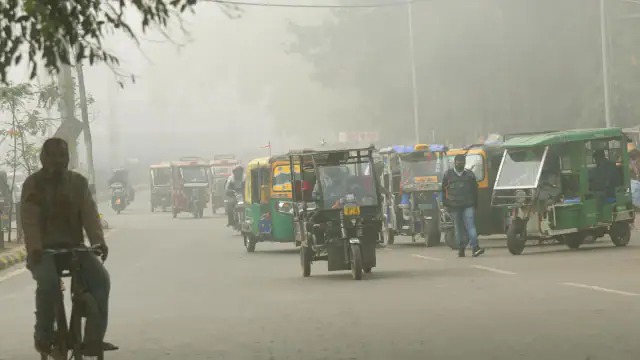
69, 338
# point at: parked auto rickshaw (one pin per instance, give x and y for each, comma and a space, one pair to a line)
190, 186
484, 161
571, 185
256, 219
336, 210
160, 186
221, 169
411, 181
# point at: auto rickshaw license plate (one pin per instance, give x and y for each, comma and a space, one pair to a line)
352, 210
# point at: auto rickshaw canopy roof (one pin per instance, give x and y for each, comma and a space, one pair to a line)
259, 162
559, 137
164, 165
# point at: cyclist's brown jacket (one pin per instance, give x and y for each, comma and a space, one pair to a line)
56, 217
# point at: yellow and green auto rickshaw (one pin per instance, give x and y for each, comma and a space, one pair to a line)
256, 222
268, 215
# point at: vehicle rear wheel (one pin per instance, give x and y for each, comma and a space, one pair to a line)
434, 235
213, 209
356, 262
305, 260
389, 236
516, 237
573, 241
450, 239
367, 270
251, 243
118, 211
620, 234
153, 208
201, 213
174, 212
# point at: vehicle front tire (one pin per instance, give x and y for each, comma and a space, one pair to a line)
516, 237
620, 234
450, 239
251, 243
573, 241
305, 260
356, 262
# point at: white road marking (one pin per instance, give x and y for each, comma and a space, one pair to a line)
494, 270
426, 257
22, 269
598, 288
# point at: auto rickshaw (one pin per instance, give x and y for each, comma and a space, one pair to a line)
256, 218
484, 161
160, 186
190, 186
221, 169
336, 209
411, 181
553, 188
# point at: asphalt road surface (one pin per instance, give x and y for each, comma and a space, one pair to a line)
186, 289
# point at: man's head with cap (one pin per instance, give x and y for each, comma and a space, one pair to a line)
459, 162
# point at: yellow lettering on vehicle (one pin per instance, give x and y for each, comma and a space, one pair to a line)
426, 179
352, 210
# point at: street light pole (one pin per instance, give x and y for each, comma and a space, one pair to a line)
416, 123
605, 64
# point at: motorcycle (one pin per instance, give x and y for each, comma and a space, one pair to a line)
118, 197
234, 204
197, 201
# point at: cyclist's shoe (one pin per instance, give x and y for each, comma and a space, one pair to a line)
93, 349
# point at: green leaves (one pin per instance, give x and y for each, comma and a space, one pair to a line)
48, 29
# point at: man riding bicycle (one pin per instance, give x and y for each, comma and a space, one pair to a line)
56, 206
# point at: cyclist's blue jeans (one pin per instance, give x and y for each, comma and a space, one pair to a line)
97, 281
465, 219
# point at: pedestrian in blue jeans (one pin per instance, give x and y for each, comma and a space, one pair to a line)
460, 194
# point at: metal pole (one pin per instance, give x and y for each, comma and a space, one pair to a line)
605, 65
416, 123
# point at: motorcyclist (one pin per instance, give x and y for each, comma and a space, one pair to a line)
57, 205
235, 184
122, 176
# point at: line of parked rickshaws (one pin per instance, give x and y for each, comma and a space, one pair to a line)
338, 205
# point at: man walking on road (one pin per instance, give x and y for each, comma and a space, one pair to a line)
460, 197
56, 206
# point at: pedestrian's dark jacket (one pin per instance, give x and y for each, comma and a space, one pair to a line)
54, 213
459, 191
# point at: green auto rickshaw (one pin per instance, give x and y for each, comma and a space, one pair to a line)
572, 185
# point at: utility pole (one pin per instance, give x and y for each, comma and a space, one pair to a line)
413, 73
88, 143
605, 64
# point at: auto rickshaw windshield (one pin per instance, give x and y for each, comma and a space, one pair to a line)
194, 174
520, 168
431, 164
341, 184
162, 177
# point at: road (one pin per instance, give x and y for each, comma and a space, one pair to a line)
186, 289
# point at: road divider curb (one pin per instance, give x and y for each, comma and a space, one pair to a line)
12, 257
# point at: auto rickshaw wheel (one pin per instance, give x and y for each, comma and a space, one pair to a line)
356, 262
250, 243
213, 209
305, 260
573, 241
201, 213
620, 234
389, 236
367, 270
434, 235
174, 212
516, 237
450, 239
153, 208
